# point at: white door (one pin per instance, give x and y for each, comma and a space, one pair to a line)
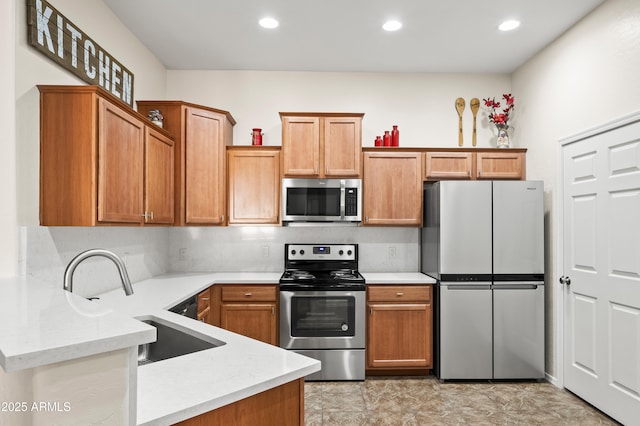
601, 258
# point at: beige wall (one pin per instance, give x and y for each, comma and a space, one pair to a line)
585, 78
422, 105
8, 229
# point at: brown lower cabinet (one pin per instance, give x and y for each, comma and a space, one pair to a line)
204, 306
282, 405
399, 329
250, 310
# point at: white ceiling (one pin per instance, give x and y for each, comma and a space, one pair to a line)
345, 35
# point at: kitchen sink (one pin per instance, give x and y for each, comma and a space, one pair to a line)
172, 341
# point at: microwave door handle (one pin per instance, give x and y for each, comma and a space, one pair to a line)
342, 197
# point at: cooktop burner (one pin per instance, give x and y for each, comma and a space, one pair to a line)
321, 266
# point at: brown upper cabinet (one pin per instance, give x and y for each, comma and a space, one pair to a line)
392, 188
321, 144
254, 185
475, 164
201, 136
101, 162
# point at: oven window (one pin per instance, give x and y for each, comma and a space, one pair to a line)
313, 201
322, 316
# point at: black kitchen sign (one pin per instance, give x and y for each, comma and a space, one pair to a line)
56, 37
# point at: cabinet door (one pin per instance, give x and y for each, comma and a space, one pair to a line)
392, 188
500, 165
301, 146
120, 165
254, 186
448, 165
255, 320
399, 335
159, 177
204, 167
342, 146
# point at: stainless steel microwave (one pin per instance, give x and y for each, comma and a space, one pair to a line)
321, 200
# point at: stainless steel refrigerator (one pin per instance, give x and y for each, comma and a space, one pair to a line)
483, 241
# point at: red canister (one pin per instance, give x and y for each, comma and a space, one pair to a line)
378, 141
395, 136
386, 138
256, 137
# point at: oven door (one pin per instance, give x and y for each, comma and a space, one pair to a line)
322, 319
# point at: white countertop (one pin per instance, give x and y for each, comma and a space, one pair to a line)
397, 278
42, 324
165, 291
183, 387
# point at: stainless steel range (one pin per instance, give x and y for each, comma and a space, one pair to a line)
322, 308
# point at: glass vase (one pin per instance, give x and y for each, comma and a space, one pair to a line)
503, 136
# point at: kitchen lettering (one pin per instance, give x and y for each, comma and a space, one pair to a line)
58, 38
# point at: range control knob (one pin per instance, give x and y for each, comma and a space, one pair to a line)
301, 252
341, 252
293, 252
345, 327
349, 252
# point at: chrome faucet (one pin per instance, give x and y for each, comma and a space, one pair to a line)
71, 267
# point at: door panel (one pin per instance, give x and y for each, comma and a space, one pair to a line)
518, 332
204, 170
518, 227
466, 344
465, 227
601, 256
120, 166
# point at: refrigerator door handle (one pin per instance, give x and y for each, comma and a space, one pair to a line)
517, 285
467, 286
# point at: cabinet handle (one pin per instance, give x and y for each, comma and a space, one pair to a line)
469, 172
366, 219
248, 294
479, 172
273, 310
204, 298
399, 294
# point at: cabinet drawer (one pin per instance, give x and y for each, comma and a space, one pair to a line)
391, 293
246, 293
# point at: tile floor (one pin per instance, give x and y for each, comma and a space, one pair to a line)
427, 401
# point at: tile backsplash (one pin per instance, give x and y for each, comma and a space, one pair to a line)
255, 249
45, 251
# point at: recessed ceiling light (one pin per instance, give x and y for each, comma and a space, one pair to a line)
509, 25
392, 25
268, 23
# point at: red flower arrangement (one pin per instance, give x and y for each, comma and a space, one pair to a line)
496, 117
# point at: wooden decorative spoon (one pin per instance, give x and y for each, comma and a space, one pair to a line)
475, 106
460, 107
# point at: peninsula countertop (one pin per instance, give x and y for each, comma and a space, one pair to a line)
183, 387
